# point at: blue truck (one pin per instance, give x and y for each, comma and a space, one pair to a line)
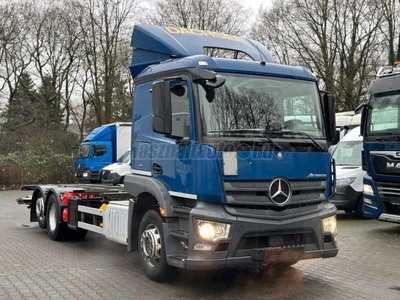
229, 161
101, 147
380, 127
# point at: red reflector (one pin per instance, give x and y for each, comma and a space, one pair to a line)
65, 215
82, 196
66, 197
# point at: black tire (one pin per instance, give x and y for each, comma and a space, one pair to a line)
56, 230
152, 249
40, 211
360, 209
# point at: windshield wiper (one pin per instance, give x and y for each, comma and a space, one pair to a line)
381, 134
236, 133
395, 136
316, 145
272, 141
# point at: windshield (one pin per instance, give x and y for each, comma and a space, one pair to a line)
251, 105
84, 151
348, 153
384, 117
125, 158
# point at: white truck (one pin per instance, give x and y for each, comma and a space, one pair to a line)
115, 173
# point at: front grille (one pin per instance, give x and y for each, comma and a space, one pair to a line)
389, 196
256, 192
106, 174
250, 198
80, 168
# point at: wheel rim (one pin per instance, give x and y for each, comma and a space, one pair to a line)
150, 245
52, 217
40, 208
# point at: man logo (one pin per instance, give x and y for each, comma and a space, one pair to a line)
392, 165
280, 191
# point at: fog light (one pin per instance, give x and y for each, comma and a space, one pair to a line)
330, 225
212, 231
369, 201
368, 190
202, 247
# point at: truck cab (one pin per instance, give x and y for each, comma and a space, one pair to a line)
101, 147
233, 151
381, 159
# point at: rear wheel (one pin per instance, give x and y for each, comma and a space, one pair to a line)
55, 229
152, 248
40, 212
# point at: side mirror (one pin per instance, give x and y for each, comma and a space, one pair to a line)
209, 80
329, 109
162, 112
211, 85
364, 117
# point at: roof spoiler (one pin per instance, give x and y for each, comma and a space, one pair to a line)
153, 44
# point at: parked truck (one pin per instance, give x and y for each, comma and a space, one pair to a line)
101, 147
220, 176
380, 127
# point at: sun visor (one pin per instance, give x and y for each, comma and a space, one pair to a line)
153, 44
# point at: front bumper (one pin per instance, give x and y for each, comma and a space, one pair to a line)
86, 176
346, 197
256, 241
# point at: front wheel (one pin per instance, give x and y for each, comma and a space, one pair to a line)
152, 248
56, 230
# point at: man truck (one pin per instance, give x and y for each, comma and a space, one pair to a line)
380, 127
224, 172
102, 147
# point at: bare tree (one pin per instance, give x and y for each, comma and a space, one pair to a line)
228, 16
103, 37
388, 28
14, 60
338, 40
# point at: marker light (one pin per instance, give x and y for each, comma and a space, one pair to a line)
330, 225
212, 231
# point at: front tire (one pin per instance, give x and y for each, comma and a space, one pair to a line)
56, 230
152, 248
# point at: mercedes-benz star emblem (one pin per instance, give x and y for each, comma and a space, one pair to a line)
280, 191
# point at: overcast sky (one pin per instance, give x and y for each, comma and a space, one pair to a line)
255, 4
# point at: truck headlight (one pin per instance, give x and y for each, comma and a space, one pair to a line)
212, 231
345, 181
85, 174
368, 190
330, 225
